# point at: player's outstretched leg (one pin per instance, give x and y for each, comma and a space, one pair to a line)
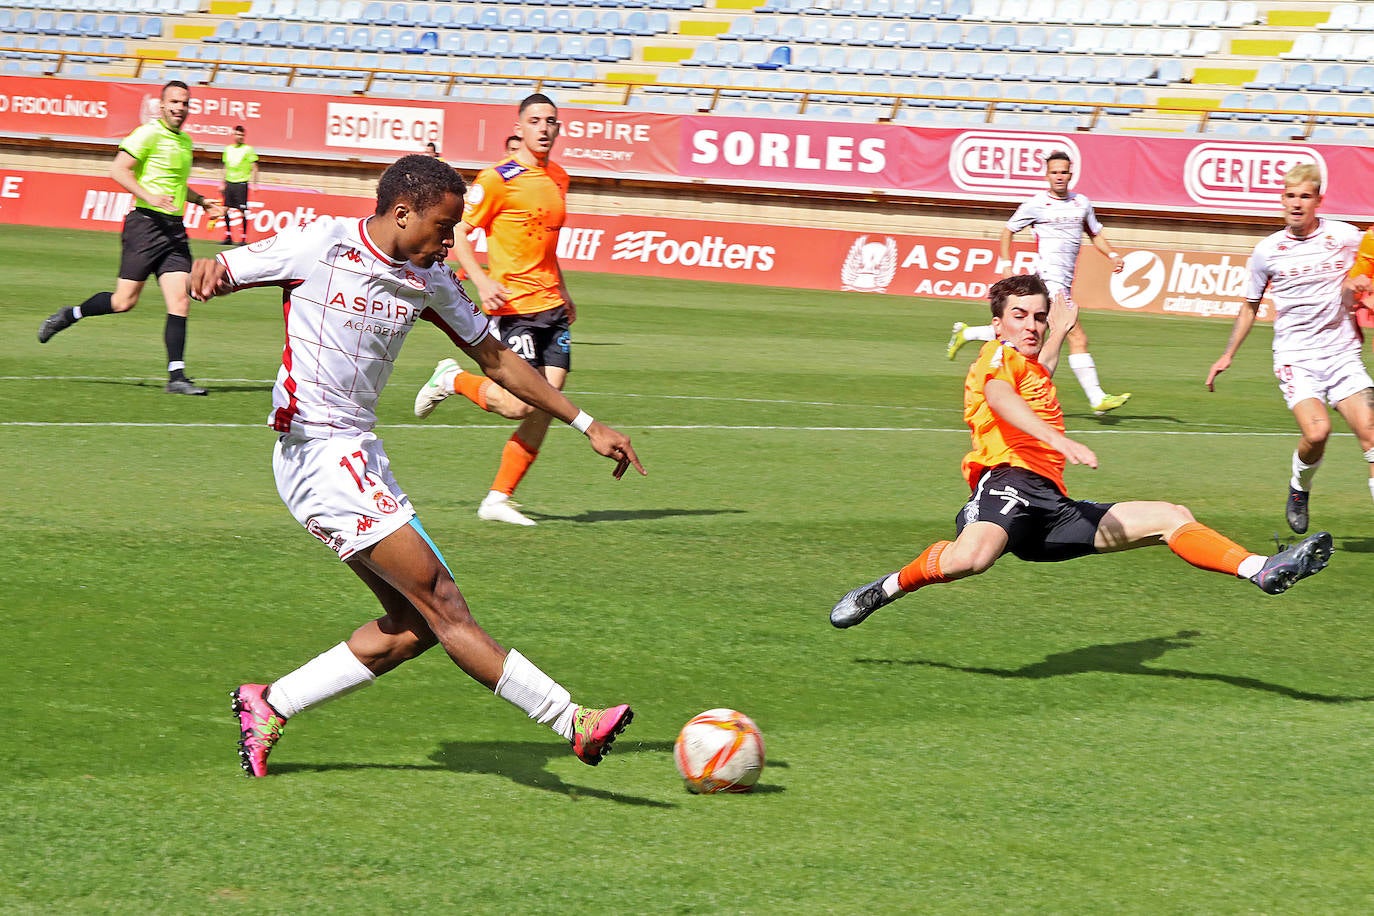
1305, 558
1296, 510
259, 727
594, 730
956, 339
855, 607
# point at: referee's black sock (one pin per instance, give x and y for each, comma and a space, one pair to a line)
99, 304
174, 336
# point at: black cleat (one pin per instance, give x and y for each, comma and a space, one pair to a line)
1305, 558
57, 321
184, 386
854, 608
1296, 510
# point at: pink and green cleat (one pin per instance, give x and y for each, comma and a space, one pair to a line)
259, 725
595, 729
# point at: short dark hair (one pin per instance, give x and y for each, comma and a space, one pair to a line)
1057, 154
421, 181
173, 84
515, 137
537, 98
1019, 285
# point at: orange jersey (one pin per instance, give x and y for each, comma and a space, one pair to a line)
995, 441
1364, 267
521, 208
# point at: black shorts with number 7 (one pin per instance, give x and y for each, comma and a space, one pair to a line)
1042, 524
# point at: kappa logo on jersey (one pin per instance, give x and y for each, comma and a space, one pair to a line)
1141, 280
353, 255
870, 266
365, 523
509, 170
1242, 174
385, 503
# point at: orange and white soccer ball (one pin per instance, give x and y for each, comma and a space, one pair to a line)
719, 750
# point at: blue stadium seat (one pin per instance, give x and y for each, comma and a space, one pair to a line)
1269, 75
976, 38
1298, 78
780, 56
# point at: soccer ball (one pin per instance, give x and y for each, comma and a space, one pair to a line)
719, 750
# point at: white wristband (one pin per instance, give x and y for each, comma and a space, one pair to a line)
582, 422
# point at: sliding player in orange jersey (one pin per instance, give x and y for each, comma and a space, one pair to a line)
1016, 472
1360, 281
520, 203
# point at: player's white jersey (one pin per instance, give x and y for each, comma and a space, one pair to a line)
1303, 278
1059, 226
348, 309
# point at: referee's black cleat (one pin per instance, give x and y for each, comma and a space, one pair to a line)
184, 385
1296, 510
1305, 558
59, 320
854, 608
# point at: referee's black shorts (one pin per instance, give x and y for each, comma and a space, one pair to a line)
236, 195
153, 243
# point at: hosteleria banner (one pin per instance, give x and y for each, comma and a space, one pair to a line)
1154, 280
1189, 174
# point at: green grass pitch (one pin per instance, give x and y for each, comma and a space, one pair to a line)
1119, 734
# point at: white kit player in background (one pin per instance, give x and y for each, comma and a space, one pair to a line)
352, 292
1317, 345
1059, 217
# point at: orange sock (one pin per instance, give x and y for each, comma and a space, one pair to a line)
924, 570
1206, 549
473, 387
516, 459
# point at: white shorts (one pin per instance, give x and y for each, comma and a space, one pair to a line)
1330, 379
341, 490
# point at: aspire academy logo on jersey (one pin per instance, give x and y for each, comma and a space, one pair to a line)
869, 266
1243, 175
1004, 163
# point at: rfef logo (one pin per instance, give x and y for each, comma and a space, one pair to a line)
1005, 163
1245, 175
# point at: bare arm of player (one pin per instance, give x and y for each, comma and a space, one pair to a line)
490, 294
208, 279
1011, 407
1245, 320
1063, 316
500, 364
1101, 244
1004, 266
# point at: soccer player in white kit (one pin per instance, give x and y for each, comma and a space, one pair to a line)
1317, 346
1059, 217
352, 291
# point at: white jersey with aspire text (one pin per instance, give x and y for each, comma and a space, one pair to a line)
348, 309
1059, 226
1303, 278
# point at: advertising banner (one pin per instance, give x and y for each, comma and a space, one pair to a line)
1159, 281
1186, 174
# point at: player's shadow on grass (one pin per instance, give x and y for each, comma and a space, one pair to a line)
212, 387
1125, 658
1355, 545
1114, 419
526, 763
595, 516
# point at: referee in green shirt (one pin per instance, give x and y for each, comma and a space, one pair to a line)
240, 167
153, 164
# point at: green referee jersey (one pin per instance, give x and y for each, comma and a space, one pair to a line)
238, 163
164, 162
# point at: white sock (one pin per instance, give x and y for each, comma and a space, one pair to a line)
1303, 473
176, 364
1371, 487
891, 587
326, 676
494, 496
1085, 370
541, 697
446, 380
1250, 565
980, 332
76, 313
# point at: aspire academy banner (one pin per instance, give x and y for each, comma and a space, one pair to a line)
874, 262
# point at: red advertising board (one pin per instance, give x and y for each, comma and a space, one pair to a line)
1164, 281
1173, 174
